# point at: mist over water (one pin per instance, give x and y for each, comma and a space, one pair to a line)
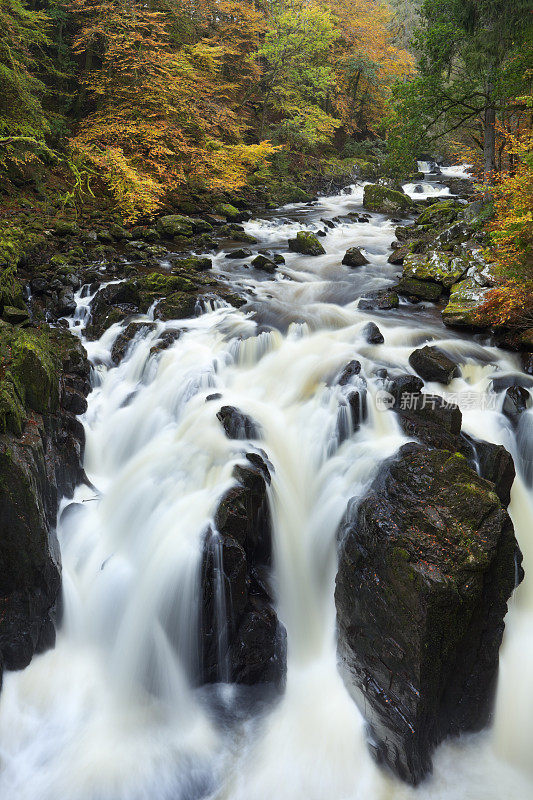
112, 712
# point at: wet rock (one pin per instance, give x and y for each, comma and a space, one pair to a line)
384, 300
403, 385
354, 258
306, 243
179, 305
433, 365
242, 252
242, 640
195, 263
517, 399
125, 337
175, 225
427, 564
15, 316
372, 333
44, 381
237, 425
351, 369
165, 341
527, 362
434, 266
424, 290
386, 201
466, 300
496, 465
264, 263
229, 212
357, 401
431, 419
399, 254
444, 211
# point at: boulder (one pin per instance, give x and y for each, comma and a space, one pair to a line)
354, 258
424, 290
242, 252
122, 343
241, 638
372, 333
466, 299
229, 212
386, 201
440, 213
526, 360
383, 300
264, 263
175, 225
306, 243
517, 400
434, 266
428, 562
351, 369
433, 365
237, 425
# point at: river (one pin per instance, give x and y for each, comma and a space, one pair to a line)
110, 713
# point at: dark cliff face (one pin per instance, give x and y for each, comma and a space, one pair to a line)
427, 565
43, 384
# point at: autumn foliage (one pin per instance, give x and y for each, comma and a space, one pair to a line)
511, 302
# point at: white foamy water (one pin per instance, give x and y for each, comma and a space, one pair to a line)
112, 713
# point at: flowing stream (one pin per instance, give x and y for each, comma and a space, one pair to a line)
110, 713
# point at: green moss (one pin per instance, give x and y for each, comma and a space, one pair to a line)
306, 243
227, 210
425, 290
386, 201
434, 266
438, 213
165, 284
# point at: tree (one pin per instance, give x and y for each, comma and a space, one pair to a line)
23, 121
297, 74
470, 68
159, 117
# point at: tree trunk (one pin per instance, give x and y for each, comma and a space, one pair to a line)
489, 135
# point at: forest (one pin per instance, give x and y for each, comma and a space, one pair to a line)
144, 105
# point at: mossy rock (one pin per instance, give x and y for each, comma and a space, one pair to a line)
386, 201
10, 290
179, 305
445, 211
15, 316
196, 264
66, 229
425, 290
159, 284
228, 211
366, 170
34, 368
434, 266
466, 299
175, 225
307, 244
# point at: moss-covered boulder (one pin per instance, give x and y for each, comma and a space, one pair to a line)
307, 244
228, 211
464, 306
178, 305
386, 201
175, 225
434, 266
354, 258
428, 562
383, 300
445, 211
424, 290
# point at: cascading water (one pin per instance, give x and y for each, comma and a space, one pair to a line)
112, 713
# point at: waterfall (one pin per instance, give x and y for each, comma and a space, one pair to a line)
113, 712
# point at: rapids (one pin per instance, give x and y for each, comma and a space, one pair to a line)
111, 713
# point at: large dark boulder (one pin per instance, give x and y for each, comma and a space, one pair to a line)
354, 258
241, 638
238, 425
427, 564
433, 365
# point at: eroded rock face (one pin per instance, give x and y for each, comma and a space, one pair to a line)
241, 639
43, 386
427, 564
